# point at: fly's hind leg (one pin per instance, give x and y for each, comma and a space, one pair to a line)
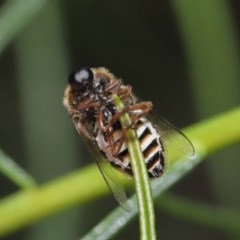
136, 111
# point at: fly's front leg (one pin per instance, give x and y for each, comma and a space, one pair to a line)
120, 90
88, 104
82, 130
124, 91
113, 87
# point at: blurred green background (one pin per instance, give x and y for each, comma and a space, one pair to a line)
181, 55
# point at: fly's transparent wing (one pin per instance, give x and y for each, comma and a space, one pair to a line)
175, 143
109, 174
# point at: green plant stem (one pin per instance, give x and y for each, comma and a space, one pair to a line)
111, 224
222, 219
14, 172
217, 132
25, 207
142, 183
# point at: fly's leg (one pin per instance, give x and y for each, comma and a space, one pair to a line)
120, 90
87, 104
107, 133
116, 147
125, 92
82, 130
114, 86
137, 111
100, 123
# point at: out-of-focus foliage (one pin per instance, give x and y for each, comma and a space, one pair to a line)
181, 55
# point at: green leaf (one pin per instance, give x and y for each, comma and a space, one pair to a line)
14, 172
14, 15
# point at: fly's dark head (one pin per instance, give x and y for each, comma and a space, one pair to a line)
81, 80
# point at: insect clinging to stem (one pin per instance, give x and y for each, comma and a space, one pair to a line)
89, 100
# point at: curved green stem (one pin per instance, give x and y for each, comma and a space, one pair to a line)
207, 137
142, 183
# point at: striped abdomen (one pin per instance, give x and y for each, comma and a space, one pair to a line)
151, 147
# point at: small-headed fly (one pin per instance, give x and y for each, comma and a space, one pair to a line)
89, 101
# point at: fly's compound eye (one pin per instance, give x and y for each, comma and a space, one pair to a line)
81, 78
